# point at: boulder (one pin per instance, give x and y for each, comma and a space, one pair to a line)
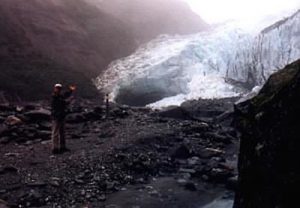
6, 108
3, 204
3, 130
175, 112
38, 115
205, 109
182, 152
269, 160
75, 118
13, 121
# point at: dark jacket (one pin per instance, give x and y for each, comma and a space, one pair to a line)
59, 105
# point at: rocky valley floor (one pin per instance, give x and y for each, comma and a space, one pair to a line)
134, 158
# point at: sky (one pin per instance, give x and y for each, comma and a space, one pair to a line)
216, 11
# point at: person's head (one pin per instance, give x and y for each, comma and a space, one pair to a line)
57, 88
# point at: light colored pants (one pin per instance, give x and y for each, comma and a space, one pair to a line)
58, 135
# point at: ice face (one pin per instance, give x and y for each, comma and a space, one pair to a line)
223, 62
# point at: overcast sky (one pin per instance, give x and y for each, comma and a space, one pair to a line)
215, 11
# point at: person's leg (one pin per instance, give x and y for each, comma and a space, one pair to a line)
62, 136
55, 136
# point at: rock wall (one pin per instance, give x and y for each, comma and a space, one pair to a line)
269, 160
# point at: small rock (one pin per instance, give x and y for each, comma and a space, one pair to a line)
3, 191
6, 107
3, 204
13, 121
83, 192
11, 154
46, 142
3, 130
153, 193
39, 115
205, 177
232, 183
182, 152
4, 140
215, 150
190, 186
54, 183
79, 181
184, 170
8, 169
193, 161
102, 197
36, 184
175, 112
182, 181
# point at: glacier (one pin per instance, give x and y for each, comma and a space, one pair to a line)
226, 61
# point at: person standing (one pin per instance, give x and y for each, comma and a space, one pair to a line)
106, 106
59, 106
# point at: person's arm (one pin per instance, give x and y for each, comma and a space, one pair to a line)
69, 93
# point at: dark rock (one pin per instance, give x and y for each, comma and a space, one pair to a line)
79, 181
175, 112
44, 125
185, 170
75, 118
207, 153
182, 152
5, 140
98, 110
30, 107
42, 135
208, 108
225, 118
3, 130
232, 183
220, 175
119, 112
36, 184
190, 186
8, 169
3, 204
38, 115
218, 138
34, 198
6, 108
92, 116
13, 121
2, 119
102, 197
269, 160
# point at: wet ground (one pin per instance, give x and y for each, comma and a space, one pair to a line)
136, 158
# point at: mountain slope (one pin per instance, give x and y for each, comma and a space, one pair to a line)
47, 41
43, 42
148, 18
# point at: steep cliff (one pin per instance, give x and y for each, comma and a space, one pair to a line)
269, 160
